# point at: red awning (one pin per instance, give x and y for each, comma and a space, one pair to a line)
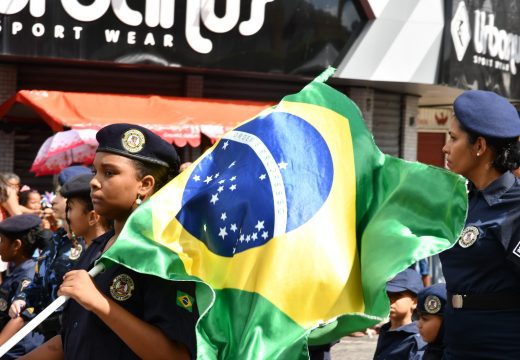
176, 119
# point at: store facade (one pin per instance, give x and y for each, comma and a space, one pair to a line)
394, 58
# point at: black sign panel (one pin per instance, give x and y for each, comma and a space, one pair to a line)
286, 36
482, 46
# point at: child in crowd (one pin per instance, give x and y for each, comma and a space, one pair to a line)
20, 235
31, 199
399, 338
431, 303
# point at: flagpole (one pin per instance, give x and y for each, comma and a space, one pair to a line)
31, 325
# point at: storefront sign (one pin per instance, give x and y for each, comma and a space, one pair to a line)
262, 35
482, 46
434, 119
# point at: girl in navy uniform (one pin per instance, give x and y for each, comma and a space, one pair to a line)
20, 235
60, 257
482, 320
399, 338
431, 304
121, 314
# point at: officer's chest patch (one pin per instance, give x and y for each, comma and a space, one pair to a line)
75, 252
468, 236
122, 287
3, 304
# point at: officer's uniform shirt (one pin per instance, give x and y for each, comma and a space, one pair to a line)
433, 352
54, 262
488, 265
150, 298
401, 343
19, 278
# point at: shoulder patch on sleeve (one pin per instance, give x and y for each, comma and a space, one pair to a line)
184, 301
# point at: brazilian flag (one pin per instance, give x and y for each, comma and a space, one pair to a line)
291, 225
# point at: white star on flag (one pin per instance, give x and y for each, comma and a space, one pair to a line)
223, 216
282, 165
214, 198
232, 164
220, 188
233, 227
205, 228
262, 177
222, 181
233, 187
222, 233
264, 235
208, 179
248, 238
241, 238
196, 178
217, 175
259, 225
254, 237
233, 178
225, 145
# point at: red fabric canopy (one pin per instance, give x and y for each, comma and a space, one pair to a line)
176, 119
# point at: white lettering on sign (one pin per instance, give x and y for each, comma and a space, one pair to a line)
156, 13
489, 39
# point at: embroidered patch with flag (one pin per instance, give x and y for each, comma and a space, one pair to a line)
184, 300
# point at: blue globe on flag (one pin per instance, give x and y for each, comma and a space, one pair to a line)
249, 190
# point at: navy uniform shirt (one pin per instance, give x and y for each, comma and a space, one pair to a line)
490, 265
54, 262
433, 352
20, 278
150, 298
401, 343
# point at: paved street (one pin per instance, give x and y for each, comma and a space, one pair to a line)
354, 348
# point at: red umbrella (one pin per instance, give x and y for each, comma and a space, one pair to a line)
64, 149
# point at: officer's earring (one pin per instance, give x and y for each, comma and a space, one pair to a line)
138, 201
478, 154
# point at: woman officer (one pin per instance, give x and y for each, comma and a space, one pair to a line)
121, 314
482, 268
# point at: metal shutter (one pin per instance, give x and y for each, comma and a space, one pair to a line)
387, 122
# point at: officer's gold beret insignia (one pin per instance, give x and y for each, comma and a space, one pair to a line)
122, 287
432, 304
133, 141
468, 236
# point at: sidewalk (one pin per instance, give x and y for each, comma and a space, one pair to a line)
354, 348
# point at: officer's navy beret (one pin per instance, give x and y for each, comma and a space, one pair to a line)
137, 142
71, 172
487, 113
432, 300
78, 186
18, 224
406, 280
